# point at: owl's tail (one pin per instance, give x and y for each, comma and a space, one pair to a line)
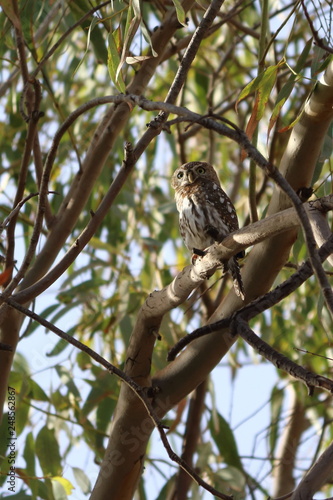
236, 277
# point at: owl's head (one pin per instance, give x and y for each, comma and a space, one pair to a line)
193, 172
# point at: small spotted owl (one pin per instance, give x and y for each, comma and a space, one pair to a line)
206, 213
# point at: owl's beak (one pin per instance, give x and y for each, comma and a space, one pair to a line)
191, 176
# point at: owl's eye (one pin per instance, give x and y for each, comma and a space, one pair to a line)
201, 170
180, 175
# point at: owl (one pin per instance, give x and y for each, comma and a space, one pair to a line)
206, 213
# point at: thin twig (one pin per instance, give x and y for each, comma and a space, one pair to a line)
16, 210
318, 40
66, 34
43, 284
37, 229
281, 362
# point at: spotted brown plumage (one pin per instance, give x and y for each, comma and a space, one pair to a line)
206, 213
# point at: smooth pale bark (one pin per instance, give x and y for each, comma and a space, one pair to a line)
319, 475
129, 434
295, 425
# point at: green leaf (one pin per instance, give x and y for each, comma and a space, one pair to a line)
36, 392
29, 455
230, 477
263, 83
265, 88
147, 38
276, 402
92, 25
47, 450
59, 347
113, 64
180, 12
288, 87
131, 27
225, 441
66, 378
47, 312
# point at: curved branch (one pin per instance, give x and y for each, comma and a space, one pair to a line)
310, 379
29, 293
319, 474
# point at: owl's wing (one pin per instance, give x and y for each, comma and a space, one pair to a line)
213, 232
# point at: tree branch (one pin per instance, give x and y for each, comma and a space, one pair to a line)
319, 474
292, 432
281, 362
33, 118
258, 305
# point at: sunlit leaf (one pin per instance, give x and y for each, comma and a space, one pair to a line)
286, 90
180, 12
60, 484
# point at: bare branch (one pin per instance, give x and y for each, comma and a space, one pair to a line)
318, 40
310, 379
66, 35
260, 304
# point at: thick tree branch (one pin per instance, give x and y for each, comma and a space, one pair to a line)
293, 429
